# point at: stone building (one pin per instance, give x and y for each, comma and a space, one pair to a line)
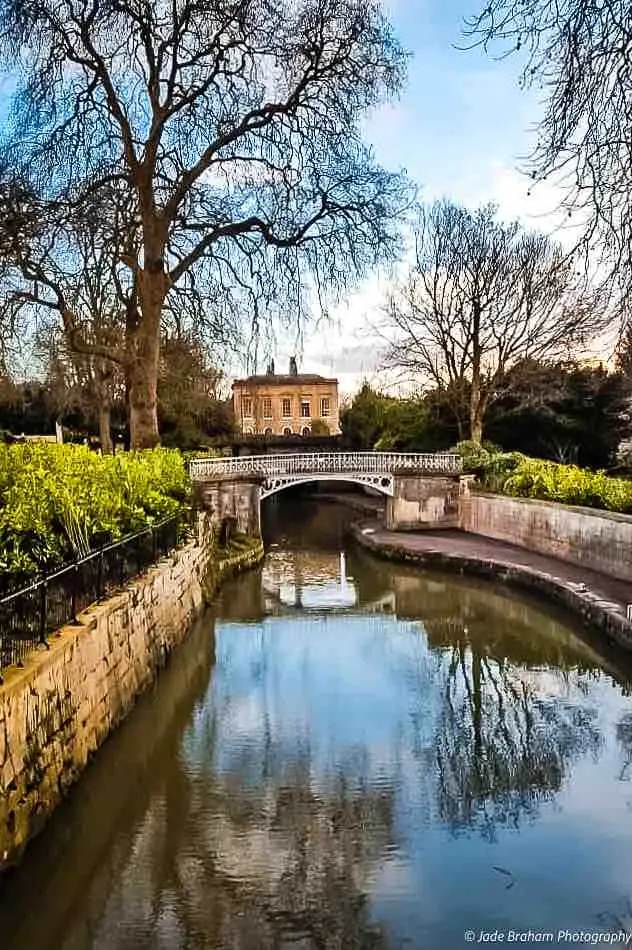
275, 404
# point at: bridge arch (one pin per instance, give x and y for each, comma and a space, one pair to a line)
275, 484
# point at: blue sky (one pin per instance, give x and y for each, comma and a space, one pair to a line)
461, 129
462, 117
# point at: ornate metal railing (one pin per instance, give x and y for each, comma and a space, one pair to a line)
327, 463
29, 615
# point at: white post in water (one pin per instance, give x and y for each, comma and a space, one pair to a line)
343, 572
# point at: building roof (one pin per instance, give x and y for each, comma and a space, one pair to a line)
277, 379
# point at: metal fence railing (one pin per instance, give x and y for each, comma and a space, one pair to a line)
328, 463
30, 614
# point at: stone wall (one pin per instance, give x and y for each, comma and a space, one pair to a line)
56, 712
598, 540
423, 501
231, 496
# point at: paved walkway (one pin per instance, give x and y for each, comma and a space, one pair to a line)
598, 600
459, 543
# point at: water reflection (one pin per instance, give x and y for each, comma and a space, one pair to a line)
504, 744
348, 754
624, 737
57, 896
307, 580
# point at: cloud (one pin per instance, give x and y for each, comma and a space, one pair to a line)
538, 206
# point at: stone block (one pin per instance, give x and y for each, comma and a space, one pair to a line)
55, 713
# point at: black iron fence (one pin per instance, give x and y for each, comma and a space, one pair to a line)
29, 615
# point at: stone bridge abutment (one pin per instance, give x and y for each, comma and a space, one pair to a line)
235, 496
424, 501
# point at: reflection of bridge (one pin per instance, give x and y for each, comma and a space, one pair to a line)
370, 469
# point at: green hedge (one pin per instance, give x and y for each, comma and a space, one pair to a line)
474, 454
569, 485
512, 473
59, 501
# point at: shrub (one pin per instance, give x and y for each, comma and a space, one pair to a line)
494, 473
513, 473
474, 454
58, 501
570, 485
320, 427
205, 452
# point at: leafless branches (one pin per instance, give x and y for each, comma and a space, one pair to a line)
580, 55
229, 132
481, 297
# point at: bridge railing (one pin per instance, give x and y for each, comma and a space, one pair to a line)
331, 463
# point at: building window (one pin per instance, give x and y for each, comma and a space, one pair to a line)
324, 406
268, 431
246, 405
267, 408
287, 431
286, 408
306, 430
305, 413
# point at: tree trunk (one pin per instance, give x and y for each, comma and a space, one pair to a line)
476, 399
143, 369
476, 428
477, 409
105, 433
143, 384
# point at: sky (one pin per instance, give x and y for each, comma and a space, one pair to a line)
461, 129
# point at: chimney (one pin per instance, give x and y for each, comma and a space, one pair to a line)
270, 370
293, 369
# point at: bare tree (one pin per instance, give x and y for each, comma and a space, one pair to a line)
63, 285
192, 393
60, 286
481, 297
229, 132
75, 381
580, 55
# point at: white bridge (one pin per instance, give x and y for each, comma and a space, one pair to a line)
372, 469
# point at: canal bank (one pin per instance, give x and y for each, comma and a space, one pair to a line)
596, 599
348, 752
58, 709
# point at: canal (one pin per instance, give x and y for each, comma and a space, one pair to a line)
345, 754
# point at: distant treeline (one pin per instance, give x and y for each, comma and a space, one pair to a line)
33, 408
566, 413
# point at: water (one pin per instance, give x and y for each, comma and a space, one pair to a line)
348, 754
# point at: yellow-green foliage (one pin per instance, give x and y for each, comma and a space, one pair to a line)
58, 501
567, 484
